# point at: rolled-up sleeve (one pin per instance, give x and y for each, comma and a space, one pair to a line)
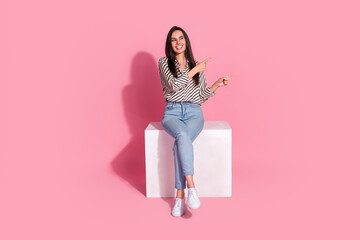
205, 92
172, 83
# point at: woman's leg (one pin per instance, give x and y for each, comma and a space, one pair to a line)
180, 181
183, 149
195, 124
185, 132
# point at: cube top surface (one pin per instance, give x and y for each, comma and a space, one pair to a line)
208, 125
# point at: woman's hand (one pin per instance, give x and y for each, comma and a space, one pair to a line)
223, 81
200, 67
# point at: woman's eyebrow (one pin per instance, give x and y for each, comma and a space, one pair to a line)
179, 36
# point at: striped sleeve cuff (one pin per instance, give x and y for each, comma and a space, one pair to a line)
208, 93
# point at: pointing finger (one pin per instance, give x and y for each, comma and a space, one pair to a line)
229, 75
207, 59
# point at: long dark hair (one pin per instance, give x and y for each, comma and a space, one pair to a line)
170, 54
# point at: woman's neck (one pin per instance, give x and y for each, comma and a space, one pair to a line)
181, 58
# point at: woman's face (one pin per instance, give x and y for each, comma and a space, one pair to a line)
178, 42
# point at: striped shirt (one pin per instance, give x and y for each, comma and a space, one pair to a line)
182, 89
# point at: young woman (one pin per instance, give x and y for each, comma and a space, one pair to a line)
184, 87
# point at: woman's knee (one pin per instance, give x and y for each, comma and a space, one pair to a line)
182, 135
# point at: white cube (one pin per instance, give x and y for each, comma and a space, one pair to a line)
212, 161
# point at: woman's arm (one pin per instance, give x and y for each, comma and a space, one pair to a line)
214, 87
173, 83
206, 92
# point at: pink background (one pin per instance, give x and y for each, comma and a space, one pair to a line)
80, 83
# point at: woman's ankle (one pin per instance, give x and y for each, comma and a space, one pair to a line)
180, 193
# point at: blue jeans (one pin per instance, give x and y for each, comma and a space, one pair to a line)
183, 121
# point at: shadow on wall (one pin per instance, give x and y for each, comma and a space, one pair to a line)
143, 103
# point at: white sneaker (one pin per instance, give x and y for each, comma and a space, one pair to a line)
179, 207
193, 200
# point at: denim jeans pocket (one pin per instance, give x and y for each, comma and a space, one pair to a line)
169, 106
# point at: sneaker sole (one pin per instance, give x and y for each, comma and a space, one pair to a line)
177, 215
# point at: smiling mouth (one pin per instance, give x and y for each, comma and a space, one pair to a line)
178, 48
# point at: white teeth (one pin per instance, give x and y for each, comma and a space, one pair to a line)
179, 47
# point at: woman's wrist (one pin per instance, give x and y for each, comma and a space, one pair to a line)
214, 87
192, 72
